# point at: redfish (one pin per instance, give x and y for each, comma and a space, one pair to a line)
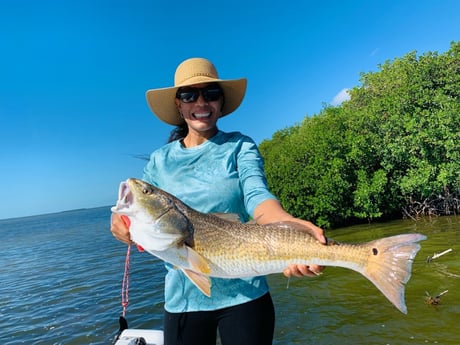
205, 245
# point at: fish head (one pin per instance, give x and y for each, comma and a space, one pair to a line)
156, 221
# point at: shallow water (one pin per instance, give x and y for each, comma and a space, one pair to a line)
61, 284
342, 307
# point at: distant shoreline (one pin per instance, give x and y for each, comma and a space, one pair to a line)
56, 213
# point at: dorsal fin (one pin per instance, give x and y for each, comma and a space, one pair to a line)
292, 225
231, 217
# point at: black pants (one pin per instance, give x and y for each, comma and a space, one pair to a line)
251, 323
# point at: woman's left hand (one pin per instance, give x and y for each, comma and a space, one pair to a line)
304, 270
270, 211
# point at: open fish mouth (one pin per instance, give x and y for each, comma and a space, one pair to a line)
125, 197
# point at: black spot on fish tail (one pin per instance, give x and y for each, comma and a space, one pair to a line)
375, 251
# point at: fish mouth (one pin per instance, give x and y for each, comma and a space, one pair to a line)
125, 197
124, 194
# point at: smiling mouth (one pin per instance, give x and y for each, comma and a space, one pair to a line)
201, 115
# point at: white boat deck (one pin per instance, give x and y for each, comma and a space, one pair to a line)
135, 336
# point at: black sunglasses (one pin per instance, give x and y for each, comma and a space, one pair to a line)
190, 94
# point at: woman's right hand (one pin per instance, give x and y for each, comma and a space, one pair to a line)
119, 229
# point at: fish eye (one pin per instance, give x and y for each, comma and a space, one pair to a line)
146, 191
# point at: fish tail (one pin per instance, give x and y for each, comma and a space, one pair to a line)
390, 264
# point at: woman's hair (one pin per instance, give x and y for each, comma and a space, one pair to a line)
179, 132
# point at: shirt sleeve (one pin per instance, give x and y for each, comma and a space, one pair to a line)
149, 170
252, 175
148, 176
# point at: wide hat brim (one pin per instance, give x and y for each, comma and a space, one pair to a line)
162, 104
191, 72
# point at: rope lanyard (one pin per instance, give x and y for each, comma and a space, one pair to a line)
125, 283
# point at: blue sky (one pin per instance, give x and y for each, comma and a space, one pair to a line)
73, 76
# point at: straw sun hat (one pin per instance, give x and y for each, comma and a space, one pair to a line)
191, 72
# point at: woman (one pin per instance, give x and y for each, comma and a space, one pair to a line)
213, 171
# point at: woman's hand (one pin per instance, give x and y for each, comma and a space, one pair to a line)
304, 270
270, 211
120, 229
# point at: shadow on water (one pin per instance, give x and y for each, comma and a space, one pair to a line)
61, 284
342, 307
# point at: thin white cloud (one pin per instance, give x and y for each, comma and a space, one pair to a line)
341, 97
375, 51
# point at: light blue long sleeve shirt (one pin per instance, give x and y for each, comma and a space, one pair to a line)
224, 174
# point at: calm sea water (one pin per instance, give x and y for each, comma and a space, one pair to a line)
61, 278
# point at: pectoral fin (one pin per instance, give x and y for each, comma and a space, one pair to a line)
198, 274
202, 282
197, 262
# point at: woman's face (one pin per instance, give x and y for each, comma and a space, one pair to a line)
201, 115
